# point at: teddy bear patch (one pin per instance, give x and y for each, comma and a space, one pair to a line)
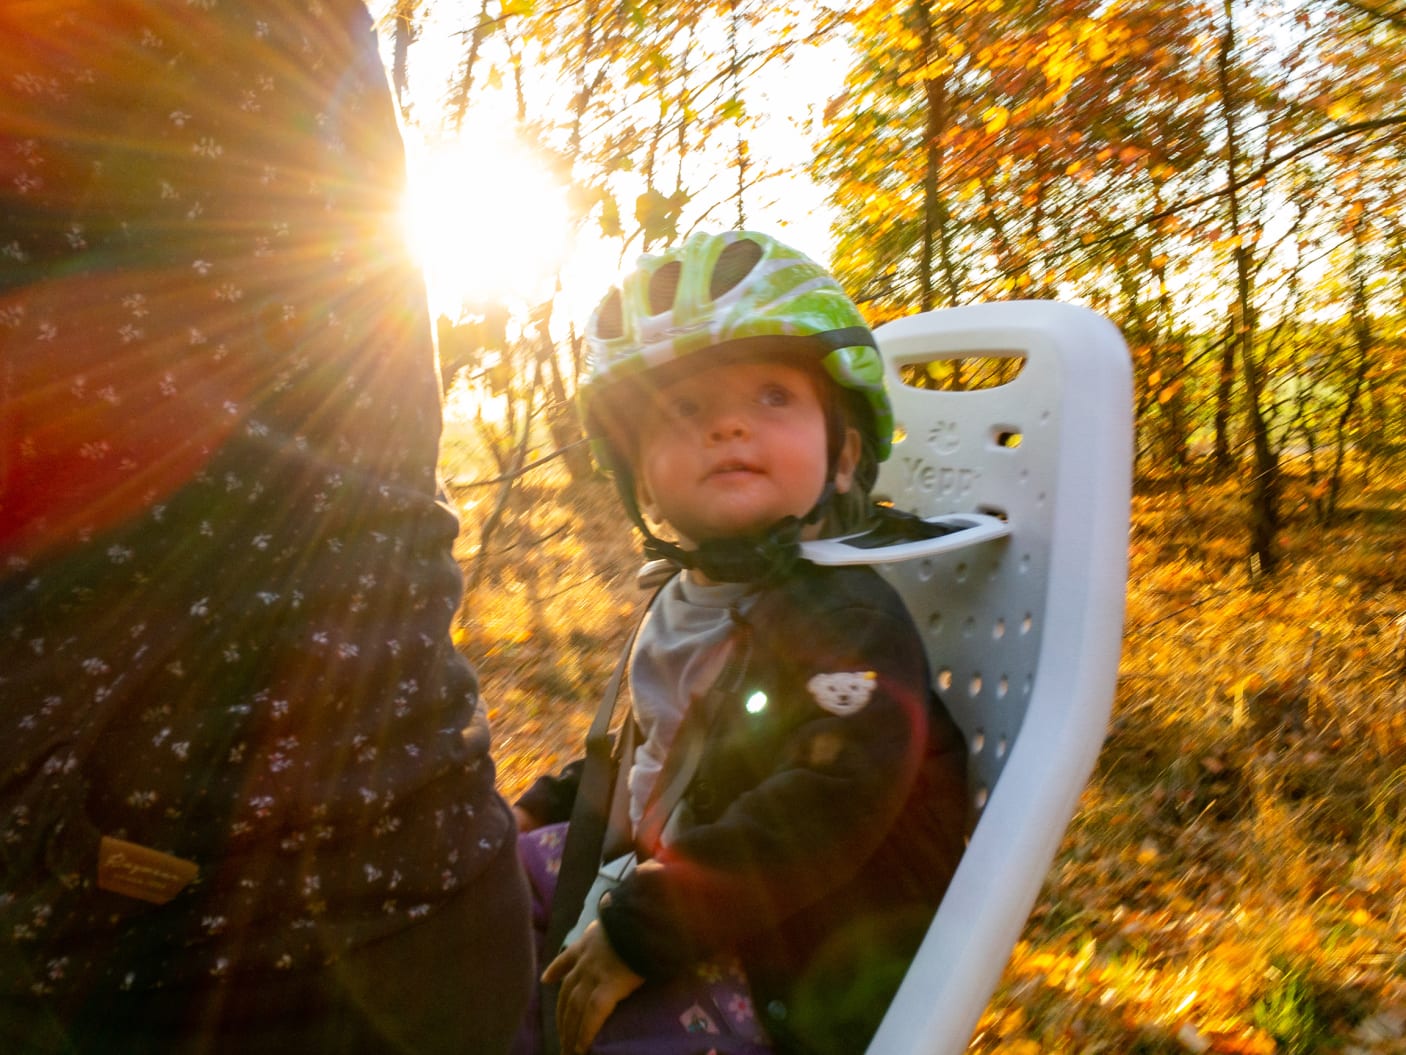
843, 692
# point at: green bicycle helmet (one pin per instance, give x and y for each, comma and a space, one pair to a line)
719, 296
720, 293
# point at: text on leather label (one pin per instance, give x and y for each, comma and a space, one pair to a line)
141, 872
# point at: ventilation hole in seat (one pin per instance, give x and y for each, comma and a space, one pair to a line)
1027, 624
974, 686
1025, 562
944, 679
1001, 746
1003, 686
998, 631
926, 569
978, 742
969, 627
935, 624
1008, 439
960, 573
1028, 684
964, 373
980, 796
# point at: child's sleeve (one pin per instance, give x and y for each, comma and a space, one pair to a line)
550, 798
853, 731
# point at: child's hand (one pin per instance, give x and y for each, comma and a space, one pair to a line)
593, 980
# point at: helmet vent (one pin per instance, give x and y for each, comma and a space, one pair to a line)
609, 319
734, 264
663, 284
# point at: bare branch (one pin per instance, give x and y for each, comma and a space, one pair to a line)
1308, 146
536, 463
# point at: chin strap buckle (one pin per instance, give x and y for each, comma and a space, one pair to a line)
751, 558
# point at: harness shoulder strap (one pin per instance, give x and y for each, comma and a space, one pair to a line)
601, 795
599, 788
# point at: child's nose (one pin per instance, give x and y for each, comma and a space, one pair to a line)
727, 423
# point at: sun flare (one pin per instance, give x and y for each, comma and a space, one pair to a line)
486, 221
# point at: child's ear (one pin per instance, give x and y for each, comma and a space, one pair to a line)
645, 501
848, 460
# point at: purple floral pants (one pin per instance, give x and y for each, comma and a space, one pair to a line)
707, 1011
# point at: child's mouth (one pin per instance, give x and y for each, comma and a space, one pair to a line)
727, 469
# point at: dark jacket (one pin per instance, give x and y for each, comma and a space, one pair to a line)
226, 583
823, 824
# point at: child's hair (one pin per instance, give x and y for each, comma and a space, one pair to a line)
734, 295
852, 510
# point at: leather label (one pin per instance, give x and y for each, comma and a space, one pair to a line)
141, 872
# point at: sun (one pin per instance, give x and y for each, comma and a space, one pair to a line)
485, 219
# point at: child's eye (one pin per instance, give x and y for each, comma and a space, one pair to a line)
774, 396
681, 407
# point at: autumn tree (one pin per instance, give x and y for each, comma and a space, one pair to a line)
1289, 149
1180, 167
646, 117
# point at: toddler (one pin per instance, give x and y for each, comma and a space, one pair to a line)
737, 397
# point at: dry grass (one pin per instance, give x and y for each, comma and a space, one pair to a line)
1231, 882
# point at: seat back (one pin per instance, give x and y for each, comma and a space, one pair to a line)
1023, 631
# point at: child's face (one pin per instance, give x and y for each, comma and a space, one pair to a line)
731, 449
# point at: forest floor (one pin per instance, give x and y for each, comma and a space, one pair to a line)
1231, 882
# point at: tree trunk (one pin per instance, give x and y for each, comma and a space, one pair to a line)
459, 102
562, 421
1265, 481
1221, 458
402, 36
1362, 338
935, 234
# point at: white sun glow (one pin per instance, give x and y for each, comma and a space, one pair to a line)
485, 220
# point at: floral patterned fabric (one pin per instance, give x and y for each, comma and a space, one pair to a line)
706, 1010
226, 585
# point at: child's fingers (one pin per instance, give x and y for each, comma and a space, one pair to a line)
583, 1005
557, 970
586, 1013
593, 981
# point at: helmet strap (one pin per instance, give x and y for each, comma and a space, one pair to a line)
764, 557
